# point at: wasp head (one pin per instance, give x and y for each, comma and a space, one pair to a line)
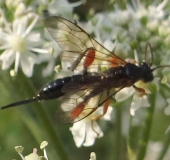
147, 75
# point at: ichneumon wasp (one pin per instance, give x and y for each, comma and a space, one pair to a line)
86, 55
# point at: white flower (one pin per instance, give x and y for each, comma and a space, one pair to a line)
33, 155
19, 149
124, 94
20, 44
92, 156
42, 146
62, 7
23, 10
123, 18
54, 51
137, 100
85, 132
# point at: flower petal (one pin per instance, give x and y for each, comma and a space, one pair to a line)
30, 27
19, 26
124, 94
8, 58
91, 135
78, 131
107, 116
138, 102
4, 37
34, 39
27, 63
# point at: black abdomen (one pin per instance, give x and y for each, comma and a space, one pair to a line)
53, 89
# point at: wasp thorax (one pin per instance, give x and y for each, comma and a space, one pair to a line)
141, 72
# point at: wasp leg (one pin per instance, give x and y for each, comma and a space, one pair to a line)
105, 108
140, 90
89, 54
81, 106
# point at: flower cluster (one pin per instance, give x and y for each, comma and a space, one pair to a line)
25, 42
130, 29
22, 39
34, 155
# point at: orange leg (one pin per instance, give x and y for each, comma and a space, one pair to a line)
140, 90
90, 55
76, 111
106, 105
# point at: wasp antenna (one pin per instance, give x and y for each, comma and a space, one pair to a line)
148, 44
34, 99
160, 67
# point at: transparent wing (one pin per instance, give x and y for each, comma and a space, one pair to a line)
79, 48
74, 108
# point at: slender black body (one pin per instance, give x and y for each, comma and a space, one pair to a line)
81, 50
84, 51
118, 77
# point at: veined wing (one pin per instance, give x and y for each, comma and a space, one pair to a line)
79, 105
74, 109
78, 46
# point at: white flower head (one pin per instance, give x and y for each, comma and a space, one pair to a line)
62, 7
92, 156
20, 44
83, 134
54, 50
138, 100
86, 131
33, 155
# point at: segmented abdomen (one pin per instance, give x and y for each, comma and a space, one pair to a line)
53, 89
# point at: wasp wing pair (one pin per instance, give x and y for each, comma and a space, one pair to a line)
83, 94
85, 54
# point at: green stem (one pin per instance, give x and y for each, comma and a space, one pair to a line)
147, 128
165, 146
130, 153
118, 136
